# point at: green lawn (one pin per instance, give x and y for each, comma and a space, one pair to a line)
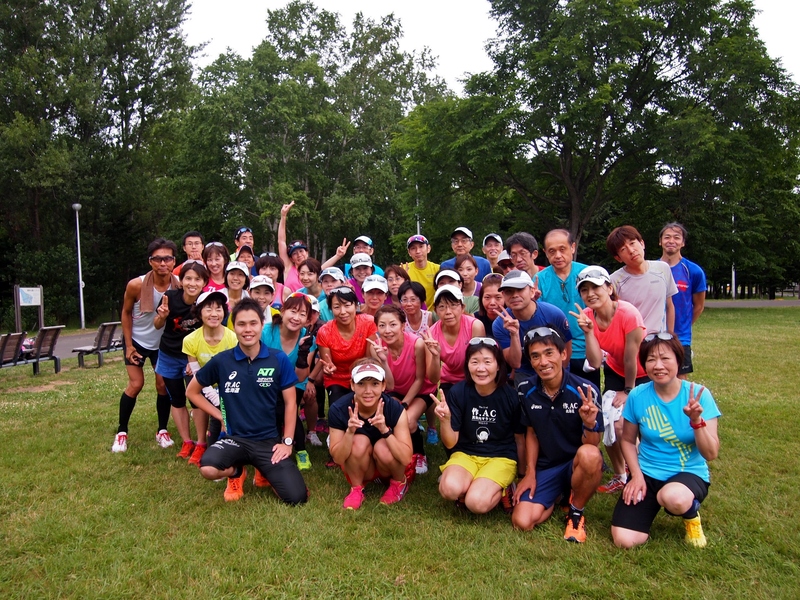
79, 522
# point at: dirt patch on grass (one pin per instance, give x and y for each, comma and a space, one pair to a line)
47, 387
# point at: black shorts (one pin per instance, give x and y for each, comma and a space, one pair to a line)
145, 353
576, 368
639, 517
335, 392
284, 476
428, 400
687, 366
616, 382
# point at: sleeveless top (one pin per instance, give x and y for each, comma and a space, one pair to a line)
144, 331
404, 368
453, 357
423, 326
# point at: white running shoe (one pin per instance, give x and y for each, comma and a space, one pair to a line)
120, 442
422, 464
313, 439
163, 439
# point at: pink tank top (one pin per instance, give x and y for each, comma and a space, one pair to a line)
453, 356
404, 369
291, 280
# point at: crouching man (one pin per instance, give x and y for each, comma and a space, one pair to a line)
250, 377
369, 436
564, 425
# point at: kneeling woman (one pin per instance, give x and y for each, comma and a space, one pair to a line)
668, 470
478, 422
367, 447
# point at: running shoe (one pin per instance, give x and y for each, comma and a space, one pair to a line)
186, 450
575, 532
235, 489
355, 498
331, 464
433, 437
422, 464
322, 426
395, 492
302, 414
260, 481
411, 470
120, 442
694, 532
614, 485
507, 499
313, 439
197, 454
163, 439
303, 461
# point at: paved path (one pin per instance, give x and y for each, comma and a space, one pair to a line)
752, 303
75, 340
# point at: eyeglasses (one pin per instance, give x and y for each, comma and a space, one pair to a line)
486, 341
162, 259
541, 332
663, 335
521, 254
492, 278
410, 300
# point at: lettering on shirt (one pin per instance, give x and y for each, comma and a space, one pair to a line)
231, 387
483, 415
570, 407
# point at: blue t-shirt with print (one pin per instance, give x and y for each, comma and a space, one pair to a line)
564, 295
690, 280
271, 337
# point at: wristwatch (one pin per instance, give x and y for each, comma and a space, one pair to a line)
389, 432
288, 441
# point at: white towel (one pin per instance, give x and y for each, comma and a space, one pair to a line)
610, 414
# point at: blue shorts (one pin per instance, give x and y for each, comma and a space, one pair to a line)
550, 484
171, 367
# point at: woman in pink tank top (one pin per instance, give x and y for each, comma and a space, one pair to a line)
407, 360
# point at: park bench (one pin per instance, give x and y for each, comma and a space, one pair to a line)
104, 342
44, 349
10, 344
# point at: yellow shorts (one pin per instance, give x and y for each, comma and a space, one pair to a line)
500, 470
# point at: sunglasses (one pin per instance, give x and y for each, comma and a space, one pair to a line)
541, 332
664, 335
162, 259
219, 244
343, 289
596, 274
492, 277
242, 230
267, 254
486, 341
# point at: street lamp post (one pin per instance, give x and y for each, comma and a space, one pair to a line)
77, 207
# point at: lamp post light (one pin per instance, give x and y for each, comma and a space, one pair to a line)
77, 207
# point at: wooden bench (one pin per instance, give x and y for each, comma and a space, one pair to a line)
44, 349
104, 342
10, 345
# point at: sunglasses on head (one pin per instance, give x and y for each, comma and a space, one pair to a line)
593, 274
220, 244
542, 332
343, 289
486, 341
663, 335
492, 277
242, 230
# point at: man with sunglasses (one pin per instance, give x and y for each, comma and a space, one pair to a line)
143, 295
564, 425
557, 283
523, 314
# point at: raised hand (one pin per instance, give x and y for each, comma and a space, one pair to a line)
378, 420
431, 345
588, 410
327, 367
163, 308
342, 250
693, 410
286, 208
354, 422
584, 322
381, 351
510, 324
442, 410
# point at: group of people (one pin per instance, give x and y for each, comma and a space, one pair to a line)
506, 356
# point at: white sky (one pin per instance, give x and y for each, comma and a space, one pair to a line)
454, 30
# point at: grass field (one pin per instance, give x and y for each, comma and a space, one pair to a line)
79, 522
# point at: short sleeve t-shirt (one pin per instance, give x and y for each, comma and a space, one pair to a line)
338, 415
546, 315
271, 336
485, 424
425, 278
178, 325
452, 357
557, 422
345, 352
563, 294
668, 444
689, 279
647, 292
195, 345
248, 390
612, 340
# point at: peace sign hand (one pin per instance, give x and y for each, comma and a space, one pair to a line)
327, 367
342, 250
510, 324
378, 420
286, 208
431, 345
380, 350
584, 322
442, 410
588, 410
693, 410
163, 308
354, 422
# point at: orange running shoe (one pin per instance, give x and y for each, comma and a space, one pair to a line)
235, 489
197, 454
186, 450
260, 481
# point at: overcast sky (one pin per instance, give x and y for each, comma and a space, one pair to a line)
454, 30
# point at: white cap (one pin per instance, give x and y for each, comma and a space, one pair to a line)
368, 370
235, 264
360, 259
595, 274
223, 298
516, 279
375, 282
260, 281
334, 272
463, 230
493, 236
450, 289
363, 238
314, 303
447, 273
503, 256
